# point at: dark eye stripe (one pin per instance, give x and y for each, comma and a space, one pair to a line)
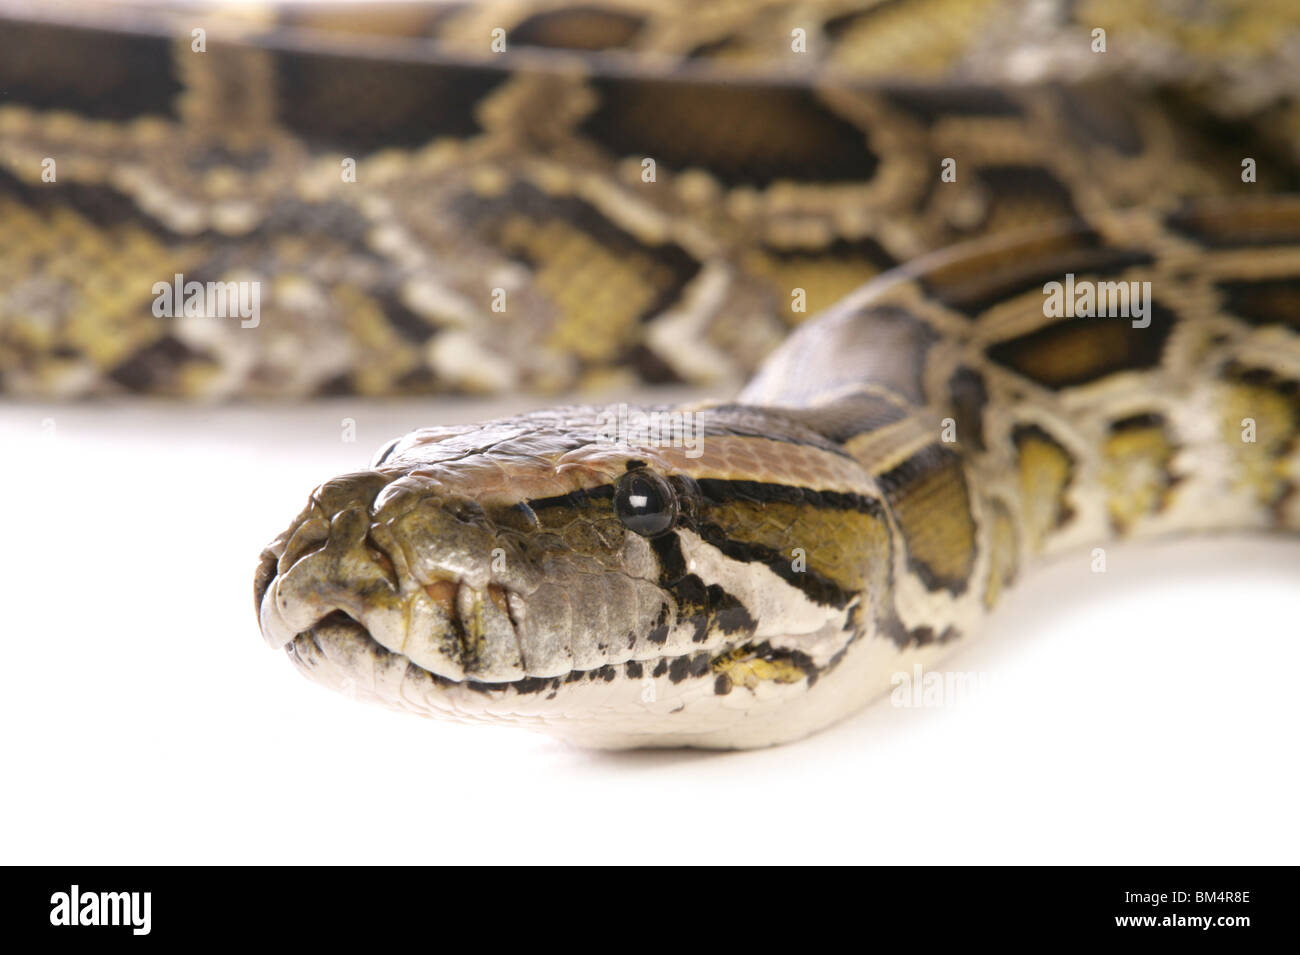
572, 499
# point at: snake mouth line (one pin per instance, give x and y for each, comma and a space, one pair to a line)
306, 646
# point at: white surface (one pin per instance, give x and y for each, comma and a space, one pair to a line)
1148, 714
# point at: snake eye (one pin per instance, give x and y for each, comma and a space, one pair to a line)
645, 503
382, 454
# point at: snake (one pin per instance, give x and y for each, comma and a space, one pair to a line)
1006, 280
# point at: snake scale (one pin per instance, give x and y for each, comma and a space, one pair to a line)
1051, 251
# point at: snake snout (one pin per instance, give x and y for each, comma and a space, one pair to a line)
413, 573
327, 561
325, 569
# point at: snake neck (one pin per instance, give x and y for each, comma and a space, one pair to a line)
1061, 390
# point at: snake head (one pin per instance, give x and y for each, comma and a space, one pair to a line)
526, 571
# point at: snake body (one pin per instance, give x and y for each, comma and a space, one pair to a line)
854, 513
547, 195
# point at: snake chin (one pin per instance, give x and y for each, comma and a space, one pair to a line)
340, 653
770, 702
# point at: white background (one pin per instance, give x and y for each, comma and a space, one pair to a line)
1148, 714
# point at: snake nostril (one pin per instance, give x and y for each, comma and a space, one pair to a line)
310, 536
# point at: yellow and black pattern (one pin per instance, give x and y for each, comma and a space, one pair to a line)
545, 195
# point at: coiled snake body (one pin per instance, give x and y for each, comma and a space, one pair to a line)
1112, 351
